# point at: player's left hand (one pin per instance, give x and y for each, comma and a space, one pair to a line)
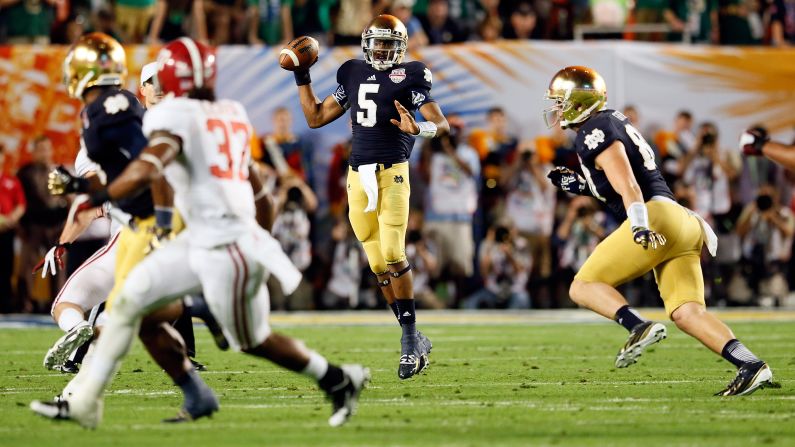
753, 140
647, 238
60, 181
407, 123
52, 261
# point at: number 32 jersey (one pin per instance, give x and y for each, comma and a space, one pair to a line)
210, 175
596, 135
370, 96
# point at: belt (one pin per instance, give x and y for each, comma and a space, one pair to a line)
378, 167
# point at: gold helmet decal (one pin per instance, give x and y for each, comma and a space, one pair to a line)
578, 93
95, 59
384, 42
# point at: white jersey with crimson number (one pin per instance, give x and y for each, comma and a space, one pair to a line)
210, 175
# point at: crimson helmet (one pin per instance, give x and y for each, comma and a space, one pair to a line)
184, 65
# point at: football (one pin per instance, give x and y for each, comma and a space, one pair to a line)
299, 54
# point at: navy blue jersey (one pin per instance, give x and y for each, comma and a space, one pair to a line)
113, 137
596, 135
370, 95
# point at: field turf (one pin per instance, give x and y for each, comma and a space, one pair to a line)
488, 384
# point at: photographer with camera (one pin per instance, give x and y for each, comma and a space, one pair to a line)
709, 171
451, 170
766, 229
530, 205
579, 233
505, 268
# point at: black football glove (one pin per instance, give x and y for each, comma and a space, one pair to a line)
647, 238
753, 140
60, 182
569, 181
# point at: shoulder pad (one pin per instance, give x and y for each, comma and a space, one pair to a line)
114, 106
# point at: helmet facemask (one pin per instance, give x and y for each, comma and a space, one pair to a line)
572, 106
382, 49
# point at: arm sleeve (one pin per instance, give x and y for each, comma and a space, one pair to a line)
422, 81
340, 95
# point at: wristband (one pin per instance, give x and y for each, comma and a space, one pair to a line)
427, 129
98, 198
163, 216
302, 77
638, 215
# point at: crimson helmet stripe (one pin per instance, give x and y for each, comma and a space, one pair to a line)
195, 60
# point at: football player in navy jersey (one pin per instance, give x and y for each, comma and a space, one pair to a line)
382, 93
658, 234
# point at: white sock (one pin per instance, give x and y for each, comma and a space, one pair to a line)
317, 366
70, 318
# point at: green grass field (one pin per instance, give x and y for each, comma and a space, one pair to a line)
488, 384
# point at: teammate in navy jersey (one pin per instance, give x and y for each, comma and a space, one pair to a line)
618, 169
382, 93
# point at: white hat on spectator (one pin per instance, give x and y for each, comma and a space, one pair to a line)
148, 72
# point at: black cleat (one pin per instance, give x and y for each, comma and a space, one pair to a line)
413, 356
345, 396
69, 367
198, 366
641, 337
202, 405
750, 377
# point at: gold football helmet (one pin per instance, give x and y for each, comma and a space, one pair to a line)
384, 42
578, 92
95, 59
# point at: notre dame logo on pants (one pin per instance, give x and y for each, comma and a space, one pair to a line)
383, 231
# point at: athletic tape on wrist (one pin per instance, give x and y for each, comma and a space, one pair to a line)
427, 129
302, 77
638, 215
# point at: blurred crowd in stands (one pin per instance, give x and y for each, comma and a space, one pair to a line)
486, 230
429, 22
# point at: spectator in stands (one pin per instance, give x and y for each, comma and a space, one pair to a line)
176, 18
674, 144
451, 170
439, 26
650, 11
504, 267
424, 257
733, 23
220, 14
105, 22
12, 207
295, 202
522, 23
342, 290
699, 19
609, 12
767, 230
352, 16
490, 29
578, 234
308, 18
40, 225
530, 205
710, 172
27, 21
286, 151
265, 19
133, 18
402, 10
782, 22
496, 146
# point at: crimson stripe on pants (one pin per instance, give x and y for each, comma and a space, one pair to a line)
243, 296
98, 254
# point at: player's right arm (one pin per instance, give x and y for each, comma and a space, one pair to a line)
756, 142
318, 113
262, 199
